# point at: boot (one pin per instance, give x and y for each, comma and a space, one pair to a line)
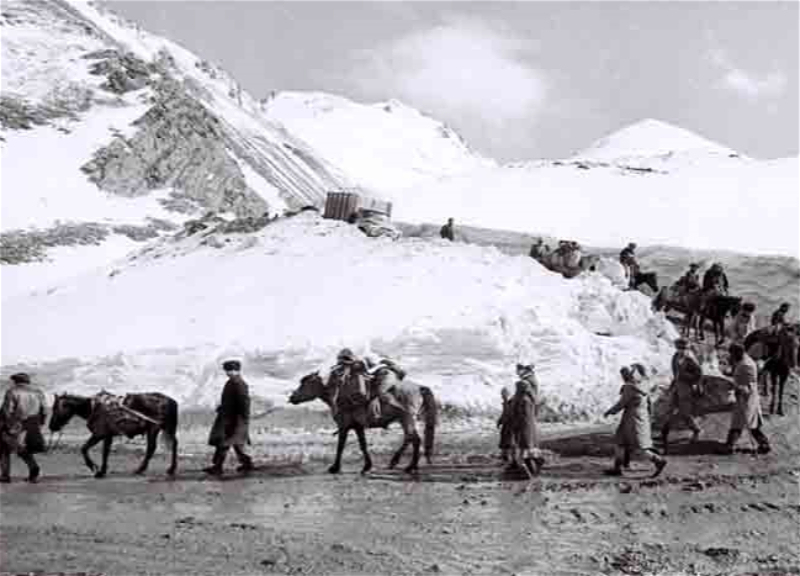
33, 467
730, 443
616, 470
245, 463
660, 465
216, 463
763, 442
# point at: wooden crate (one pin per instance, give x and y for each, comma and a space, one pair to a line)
375, 205
340, 205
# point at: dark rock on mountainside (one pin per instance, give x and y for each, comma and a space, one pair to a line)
178, 144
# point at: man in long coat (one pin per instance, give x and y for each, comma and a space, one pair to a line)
504, 423
21, 417
524, 415
747, 411
231, 427
687, 376
633, 436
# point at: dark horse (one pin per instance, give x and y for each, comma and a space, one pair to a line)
780, 350
717, 308
415, 399
688, 303
137, 414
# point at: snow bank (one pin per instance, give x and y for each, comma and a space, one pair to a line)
286, 298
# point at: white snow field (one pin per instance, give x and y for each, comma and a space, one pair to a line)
288, 297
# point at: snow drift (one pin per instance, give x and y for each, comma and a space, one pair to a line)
288, 297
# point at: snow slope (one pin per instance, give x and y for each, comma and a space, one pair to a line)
288, 297
732, 204
59, 113
384, 147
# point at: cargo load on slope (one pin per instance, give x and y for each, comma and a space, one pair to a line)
371, 215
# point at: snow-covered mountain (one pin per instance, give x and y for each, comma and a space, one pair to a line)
651, 138
386, 147
287, 297
111, 135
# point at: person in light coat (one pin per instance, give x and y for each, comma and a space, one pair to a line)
524, 417
22, 415
743, 323
633, 438
747, 411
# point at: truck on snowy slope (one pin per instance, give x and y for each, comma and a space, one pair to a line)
371, 215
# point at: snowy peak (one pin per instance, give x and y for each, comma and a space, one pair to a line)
649, 138
385, 147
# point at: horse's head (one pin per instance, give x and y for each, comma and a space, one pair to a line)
65, 407
311, 387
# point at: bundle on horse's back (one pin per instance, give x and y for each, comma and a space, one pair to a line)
115, 415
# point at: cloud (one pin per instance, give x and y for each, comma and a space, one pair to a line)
462, 71
745, 84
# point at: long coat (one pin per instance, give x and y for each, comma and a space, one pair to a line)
524, 410
21, 417
688, 374
634, 427
747, 411
505, 423
232, 424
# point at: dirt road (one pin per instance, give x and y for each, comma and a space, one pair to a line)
708, 514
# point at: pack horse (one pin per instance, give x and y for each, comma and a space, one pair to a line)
108, 416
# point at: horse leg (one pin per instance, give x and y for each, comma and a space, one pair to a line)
85, 451
152, 437
781, 385
410, 431
106, 451
174, 463
399, 454
337, 464
362, 443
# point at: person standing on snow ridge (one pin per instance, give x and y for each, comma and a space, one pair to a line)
231, 427
633, 433
779, 316
447, 231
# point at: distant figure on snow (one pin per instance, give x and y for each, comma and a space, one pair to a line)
747, 411
687, 376
628, 259
447, 231
633, 436
232, 425
538, 250
21, 417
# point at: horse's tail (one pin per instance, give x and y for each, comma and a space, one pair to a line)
429, 406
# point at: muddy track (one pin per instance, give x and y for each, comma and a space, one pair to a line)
708, 514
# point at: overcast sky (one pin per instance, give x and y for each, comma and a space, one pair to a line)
519, 80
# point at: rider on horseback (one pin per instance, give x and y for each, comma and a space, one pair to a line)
690, 281
715, 280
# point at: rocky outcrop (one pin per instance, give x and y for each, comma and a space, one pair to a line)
17, 113
178, 144
124, 72
21, 246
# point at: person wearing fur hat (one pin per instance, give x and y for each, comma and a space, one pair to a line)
231, 427
633, 433
524, 417
747, 411
687, 377
22, 416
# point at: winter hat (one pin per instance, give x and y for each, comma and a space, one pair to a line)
681, 344
21, 378
230, 365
